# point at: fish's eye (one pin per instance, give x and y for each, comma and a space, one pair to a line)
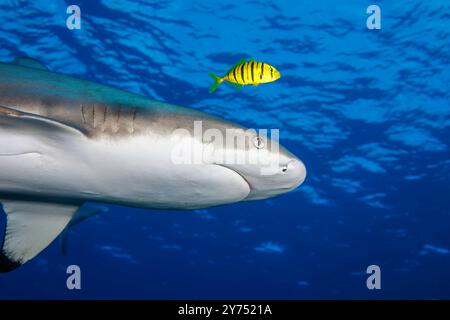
259, 142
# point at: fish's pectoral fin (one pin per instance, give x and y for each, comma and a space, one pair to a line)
30, 227
29, 63
83, 213
16, 119
236, 85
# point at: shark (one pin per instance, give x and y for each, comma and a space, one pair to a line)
66, 142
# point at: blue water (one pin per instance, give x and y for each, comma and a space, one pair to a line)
366, 110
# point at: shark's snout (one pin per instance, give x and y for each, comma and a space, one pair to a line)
296, 171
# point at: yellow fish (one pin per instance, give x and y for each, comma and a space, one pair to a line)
247, 72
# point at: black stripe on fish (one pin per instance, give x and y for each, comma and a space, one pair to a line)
234, 74
252, 67
262, 71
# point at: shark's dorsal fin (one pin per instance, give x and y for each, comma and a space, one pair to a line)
30, 63
30, 227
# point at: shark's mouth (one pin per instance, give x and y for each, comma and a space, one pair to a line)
253, 194
238, 173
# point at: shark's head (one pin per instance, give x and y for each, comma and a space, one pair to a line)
267, 167
222, 162
284, 173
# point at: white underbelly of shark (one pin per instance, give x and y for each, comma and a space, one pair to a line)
136, 173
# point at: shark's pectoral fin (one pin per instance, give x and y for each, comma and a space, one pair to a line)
30, 228
11, 118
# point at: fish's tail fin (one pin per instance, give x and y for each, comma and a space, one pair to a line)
218, 81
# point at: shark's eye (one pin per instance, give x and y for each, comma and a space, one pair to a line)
259, 142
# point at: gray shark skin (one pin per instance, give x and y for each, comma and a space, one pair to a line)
66, 141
